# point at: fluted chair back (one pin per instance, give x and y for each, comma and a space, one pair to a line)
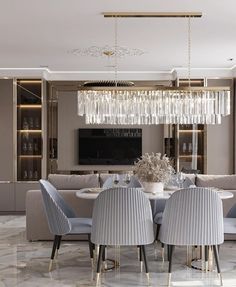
193, 216
56, 209
122, 216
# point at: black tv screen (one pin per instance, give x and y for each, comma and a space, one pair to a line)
109, 146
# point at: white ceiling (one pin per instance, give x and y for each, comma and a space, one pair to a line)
40, 33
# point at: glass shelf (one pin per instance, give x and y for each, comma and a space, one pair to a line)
191, 131
33, 106
191, 156
29, 131
29, 156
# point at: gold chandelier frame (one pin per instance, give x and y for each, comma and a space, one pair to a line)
154, 105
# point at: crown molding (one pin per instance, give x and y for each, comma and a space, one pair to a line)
205, 73
234, 71
51, 75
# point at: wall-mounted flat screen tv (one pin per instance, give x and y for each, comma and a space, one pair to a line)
109, 146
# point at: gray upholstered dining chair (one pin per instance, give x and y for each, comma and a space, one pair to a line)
62, 220
193, 216
160, 203
122, 216
230, 221
134, 182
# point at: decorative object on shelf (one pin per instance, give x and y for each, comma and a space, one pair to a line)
37, 123
31, 123
153, 170
190, 148
179, 105
35, 175
25, 124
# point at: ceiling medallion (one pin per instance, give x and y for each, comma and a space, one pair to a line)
107, 51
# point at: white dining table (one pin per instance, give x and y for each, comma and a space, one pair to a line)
92, 193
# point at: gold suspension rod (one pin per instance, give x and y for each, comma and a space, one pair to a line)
153, 14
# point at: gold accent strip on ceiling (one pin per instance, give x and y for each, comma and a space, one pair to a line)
153, 14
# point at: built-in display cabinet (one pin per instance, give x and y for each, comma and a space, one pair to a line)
29, 130
191, 149
23, 146
186, 146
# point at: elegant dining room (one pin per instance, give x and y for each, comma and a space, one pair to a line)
118, 154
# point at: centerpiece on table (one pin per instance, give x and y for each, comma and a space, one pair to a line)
153, 170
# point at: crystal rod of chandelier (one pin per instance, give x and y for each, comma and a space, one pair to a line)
143, 106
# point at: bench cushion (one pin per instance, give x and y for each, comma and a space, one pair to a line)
74, 181
227, 182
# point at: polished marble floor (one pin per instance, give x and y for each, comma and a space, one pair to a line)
25, 264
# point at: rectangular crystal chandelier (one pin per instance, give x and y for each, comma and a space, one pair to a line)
142, 106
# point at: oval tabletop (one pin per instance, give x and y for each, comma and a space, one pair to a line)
92, 193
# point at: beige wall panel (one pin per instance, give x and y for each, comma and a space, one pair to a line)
6, 130
220, 139
68, 124
7, 198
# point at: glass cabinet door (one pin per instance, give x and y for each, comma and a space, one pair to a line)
185, 145
191, 155
29, 130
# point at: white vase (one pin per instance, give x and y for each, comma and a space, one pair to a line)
153, 187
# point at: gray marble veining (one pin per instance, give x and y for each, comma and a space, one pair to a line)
25, 264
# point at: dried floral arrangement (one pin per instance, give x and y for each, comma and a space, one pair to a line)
153, 168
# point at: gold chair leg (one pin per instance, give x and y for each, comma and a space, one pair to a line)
169, 279
221, 280
50, 265
148, 278
141, 266
98, 279
210, 259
